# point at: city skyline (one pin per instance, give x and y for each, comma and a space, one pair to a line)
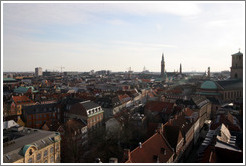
116, 36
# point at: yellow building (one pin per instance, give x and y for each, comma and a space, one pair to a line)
26, 145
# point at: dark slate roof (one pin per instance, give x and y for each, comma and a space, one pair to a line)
89, 104
200, 100
27, 136
231, 84
41, 108
173, 135
213, 100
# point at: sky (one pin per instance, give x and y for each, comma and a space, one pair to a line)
115, 36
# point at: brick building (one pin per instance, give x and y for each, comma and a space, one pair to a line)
88, 111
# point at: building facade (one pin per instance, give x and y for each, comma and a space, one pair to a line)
38, 71
88, 111
26, 145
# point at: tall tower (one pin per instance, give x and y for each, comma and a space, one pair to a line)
162, 66
237, 66
180, 69
208, 72
38, 71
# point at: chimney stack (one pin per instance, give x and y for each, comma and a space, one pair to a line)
160, 128
127, 155
140, 145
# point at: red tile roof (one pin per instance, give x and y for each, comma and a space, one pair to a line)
159, 106
146, 80
22, 100
151, 148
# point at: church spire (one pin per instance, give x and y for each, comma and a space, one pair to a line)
162, 65
180, 69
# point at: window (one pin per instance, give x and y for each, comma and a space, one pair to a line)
52, 159
30, 152
30, 117
57, 147
30, 160
38, 156
45, 153
37, 116
57, 159
44, 115
45, 161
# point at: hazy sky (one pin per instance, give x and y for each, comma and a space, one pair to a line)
116, 36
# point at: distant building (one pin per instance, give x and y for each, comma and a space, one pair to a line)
38, 71
226, 90
18, 102
237, 66
180, 69
26, 145
70, 73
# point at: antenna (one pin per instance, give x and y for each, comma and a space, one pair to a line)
61, 67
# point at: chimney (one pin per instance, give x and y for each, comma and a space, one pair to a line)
160, 128
127, 155
170, 121
140, 145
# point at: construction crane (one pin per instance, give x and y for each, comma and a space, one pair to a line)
61, 68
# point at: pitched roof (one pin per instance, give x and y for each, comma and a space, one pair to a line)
172, 134
159, 106
231, 84
22, 100
82, 107
228, 120
73, 125
150, 149
40, 108
89, 104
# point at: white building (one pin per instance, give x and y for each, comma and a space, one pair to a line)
38, 71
